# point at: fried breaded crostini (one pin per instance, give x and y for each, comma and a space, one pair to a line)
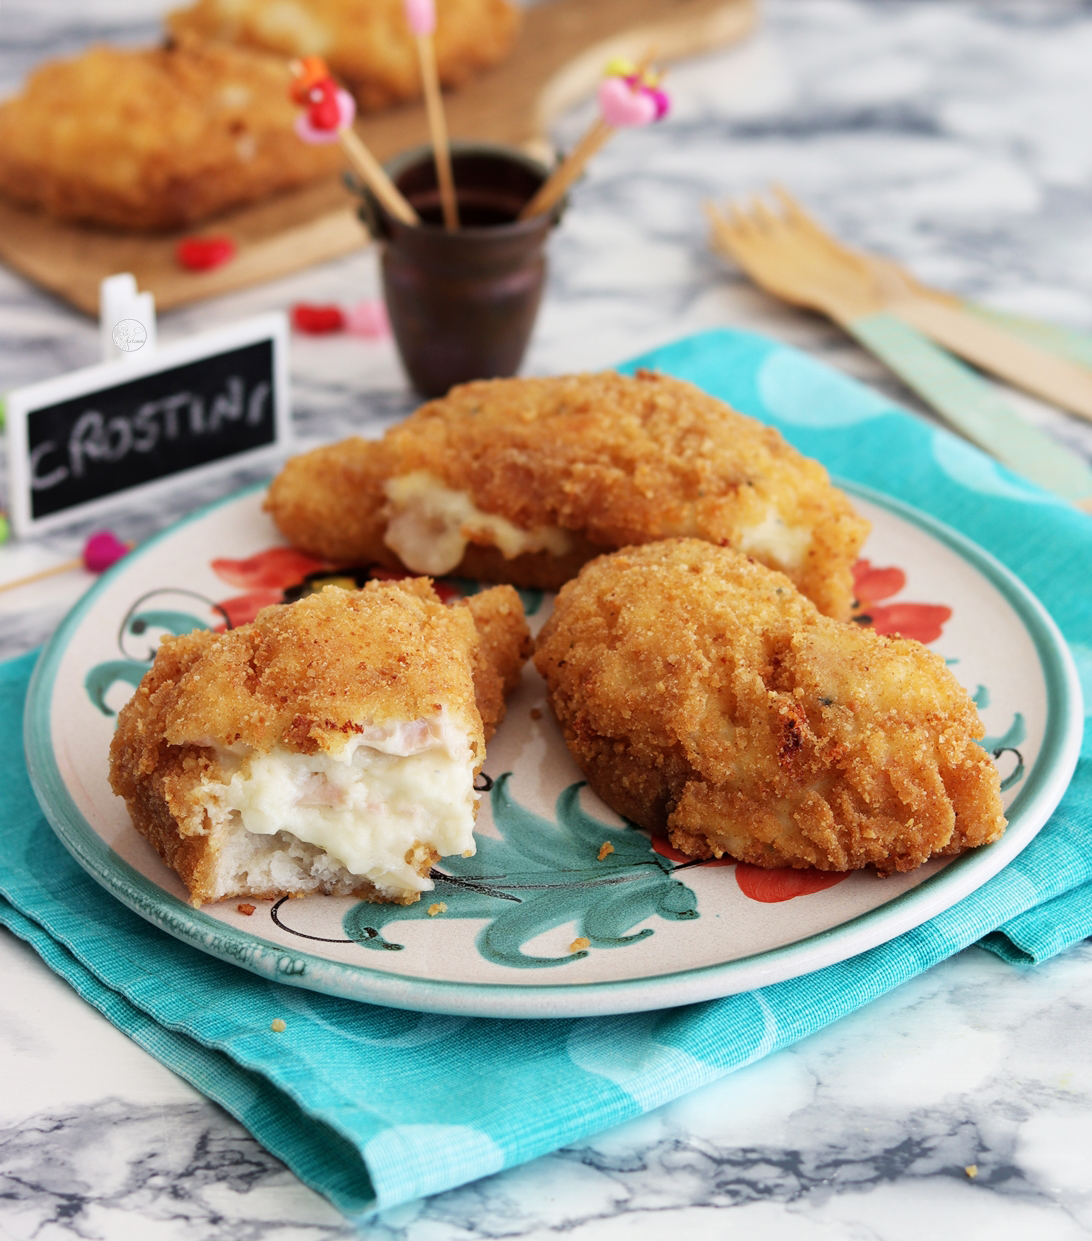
156, 139
367, 43
329, 746
701, 693
525, 480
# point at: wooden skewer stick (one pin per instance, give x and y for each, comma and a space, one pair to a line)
99, 552
374, 176
65, 567
421, 18
437, 123
558, 183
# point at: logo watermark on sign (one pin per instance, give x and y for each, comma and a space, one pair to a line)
130, 335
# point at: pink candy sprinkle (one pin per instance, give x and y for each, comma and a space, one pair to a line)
368, 319
102, 550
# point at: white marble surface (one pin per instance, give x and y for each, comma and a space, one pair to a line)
956, 135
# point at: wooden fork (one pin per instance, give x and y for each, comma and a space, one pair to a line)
972, 335
796, 261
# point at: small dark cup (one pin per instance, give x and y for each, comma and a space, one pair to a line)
462, 304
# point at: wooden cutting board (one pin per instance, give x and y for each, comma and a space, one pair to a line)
558, 59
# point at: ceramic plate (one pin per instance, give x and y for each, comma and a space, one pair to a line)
658, 929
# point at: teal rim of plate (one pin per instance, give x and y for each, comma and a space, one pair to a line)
1043, 788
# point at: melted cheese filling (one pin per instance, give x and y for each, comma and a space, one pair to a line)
429, 526
775, 543
370, 806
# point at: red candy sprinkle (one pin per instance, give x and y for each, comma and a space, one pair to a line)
317, 320
103, 550
204, 253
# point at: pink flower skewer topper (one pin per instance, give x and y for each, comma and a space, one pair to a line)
628, 97
421, 15
102, 550
421, 19
315, 125
329, 109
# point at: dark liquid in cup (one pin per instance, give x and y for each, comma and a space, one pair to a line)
471, 214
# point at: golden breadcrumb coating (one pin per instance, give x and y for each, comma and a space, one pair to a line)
154, 139
366, 43
607, 460
306, 677
699, 691
504, 646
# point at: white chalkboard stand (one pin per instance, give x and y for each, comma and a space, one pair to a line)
148, 416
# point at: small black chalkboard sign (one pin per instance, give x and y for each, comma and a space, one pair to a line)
213, 400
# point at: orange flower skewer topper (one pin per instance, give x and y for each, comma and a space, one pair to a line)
329, 118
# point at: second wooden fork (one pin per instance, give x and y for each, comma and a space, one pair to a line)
945, 319
792, 258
